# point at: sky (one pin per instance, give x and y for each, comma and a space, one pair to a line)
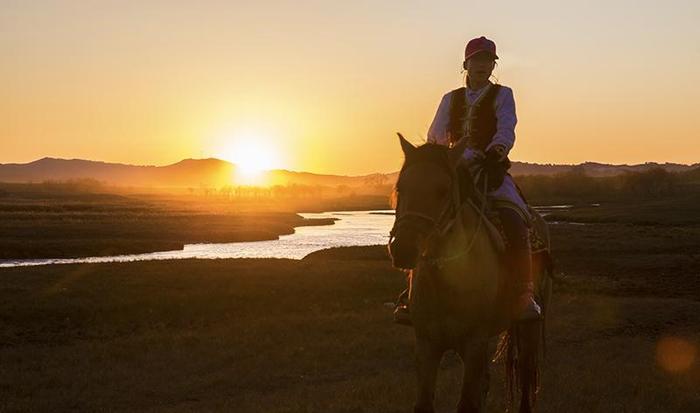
323, 86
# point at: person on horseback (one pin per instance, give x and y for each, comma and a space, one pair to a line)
484, 113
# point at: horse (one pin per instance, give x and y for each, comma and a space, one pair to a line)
455, 268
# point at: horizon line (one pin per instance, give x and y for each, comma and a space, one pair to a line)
329, 173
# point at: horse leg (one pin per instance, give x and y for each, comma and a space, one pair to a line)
475, 381
529, 336
427, 362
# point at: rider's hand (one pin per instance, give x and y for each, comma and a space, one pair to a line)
498, 152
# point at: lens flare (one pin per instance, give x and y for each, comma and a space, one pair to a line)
675, 354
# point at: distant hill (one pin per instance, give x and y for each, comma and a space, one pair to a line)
594, 168
186, 173
215, 172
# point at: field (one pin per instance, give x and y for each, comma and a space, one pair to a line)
315, 336
37, 221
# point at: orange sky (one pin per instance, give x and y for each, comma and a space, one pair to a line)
325, 85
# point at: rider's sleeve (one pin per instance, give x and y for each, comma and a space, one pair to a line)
437, 133
505, 119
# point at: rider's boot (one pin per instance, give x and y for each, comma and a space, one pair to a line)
523, 304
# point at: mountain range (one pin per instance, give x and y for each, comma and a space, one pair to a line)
213, 172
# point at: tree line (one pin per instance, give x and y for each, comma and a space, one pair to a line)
576, 184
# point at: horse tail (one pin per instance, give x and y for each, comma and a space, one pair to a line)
519, 347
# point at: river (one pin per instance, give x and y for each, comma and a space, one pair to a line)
351, 228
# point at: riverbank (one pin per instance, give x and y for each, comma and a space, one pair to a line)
37, 221
273, 335
349, 228
71, 225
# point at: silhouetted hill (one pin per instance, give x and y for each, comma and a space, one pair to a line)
215, 172
189, 172
186, 173
594, 168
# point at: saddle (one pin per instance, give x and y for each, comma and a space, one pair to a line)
538, 241
492, 223
537, 228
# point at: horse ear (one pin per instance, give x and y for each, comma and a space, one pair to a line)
406, 146
456, 152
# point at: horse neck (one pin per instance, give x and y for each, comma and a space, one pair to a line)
477, 268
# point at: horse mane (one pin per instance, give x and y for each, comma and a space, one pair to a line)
438, 155
427, 152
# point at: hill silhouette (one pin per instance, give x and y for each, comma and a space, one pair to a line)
216, 172
185, 173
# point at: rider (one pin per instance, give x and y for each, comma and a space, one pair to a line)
484, 112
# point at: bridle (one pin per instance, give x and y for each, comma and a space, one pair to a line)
444, 222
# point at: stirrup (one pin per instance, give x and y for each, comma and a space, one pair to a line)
402, 315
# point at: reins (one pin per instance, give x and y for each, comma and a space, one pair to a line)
440, 261
440, 227
435, 223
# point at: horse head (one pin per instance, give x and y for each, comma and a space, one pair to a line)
426, 192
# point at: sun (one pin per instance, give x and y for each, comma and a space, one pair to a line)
252, 155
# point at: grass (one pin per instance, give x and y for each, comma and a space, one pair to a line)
679, 210
65, 225
272, 335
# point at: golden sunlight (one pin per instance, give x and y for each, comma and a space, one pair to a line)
252, 154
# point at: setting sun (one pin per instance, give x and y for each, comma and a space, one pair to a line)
252, 154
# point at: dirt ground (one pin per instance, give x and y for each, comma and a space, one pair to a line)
315, 336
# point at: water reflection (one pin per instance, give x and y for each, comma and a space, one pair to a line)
351, 228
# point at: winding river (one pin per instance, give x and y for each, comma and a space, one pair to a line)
351, 228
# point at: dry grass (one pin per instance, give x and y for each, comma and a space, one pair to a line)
66, 225
677, 210
313, 336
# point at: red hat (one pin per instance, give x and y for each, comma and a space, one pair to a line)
480, 44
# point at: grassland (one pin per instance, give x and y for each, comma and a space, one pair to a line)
40, 223
680, 211
314, 335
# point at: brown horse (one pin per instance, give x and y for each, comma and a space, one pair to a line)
455, 267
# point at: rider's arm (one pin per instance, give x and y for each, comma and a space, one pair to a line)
505, 120
438, 129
